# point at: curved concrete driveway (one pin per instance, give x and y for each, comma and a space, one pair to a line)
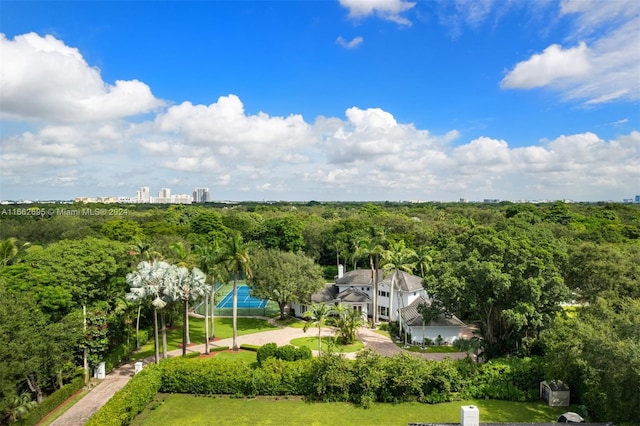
118, 377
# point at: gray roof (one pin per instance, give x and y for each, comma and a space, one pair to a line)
404, 281
412, 317
353, 295
358, 277
327, 294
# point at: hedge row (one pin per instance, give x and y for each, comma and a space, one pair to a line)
369, 378
129, 401
52, 402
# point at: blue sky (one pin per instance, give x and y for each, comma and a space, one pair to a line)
322, 100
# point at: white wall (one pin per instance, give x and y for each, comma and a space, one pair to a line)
449, 334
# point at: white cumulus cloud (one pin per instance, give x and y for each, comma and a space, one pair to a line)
603, 65
391, 10
550, 66
44, 79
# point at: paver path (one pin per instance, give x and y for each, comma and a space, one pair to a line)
118, 377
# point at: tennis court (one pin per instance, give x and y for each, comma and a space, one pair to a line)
244, 299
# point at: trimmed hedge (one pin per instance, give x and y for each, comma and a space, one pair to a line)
202, 376
52, 402
248, 347
129, 401
219, 349
367, 379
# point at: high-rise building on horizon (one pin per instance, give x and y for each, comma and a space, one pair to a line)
143, 195
164, 196
201, 195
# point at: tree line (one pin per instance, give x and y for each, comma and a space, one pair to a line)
508, 269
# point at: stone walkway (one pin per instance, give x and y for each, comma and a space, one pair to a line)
118, 377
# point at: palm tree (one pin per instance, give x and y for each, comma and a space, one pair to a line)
142, 249
19, 406
348, 321
180, 252
423, 259
8, 250
372, 247
149, 281
235, 255
209, 260
186, 285
318, 313
397, 257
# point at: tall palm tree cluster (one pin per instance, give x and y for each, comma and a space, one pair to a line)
161, 283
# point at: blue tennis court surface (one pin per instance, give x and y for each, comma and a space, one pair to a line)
244, 299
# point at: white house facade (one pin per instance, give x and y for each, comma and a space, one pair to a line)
448, 328
355, 288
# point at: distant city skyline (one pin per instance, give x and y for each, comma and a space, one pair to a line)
344, 100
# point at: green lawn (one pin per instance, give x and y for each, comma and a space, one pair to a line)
429, 349
290, 322
195, 410
248, 357
223, 329
327, 343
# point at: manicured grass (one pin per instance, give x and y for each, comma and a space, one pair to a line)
248, 357
194, 410
290, 322
328, 343
223, 330
429, 349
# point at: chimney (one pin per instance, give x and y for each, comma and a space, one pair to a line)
340, 271
469, 415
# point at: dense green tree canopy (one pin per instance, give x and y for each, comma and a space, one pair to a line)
284, 277
70, 272
508, 280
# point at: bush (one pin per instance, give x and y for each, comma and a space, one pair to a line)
248, 347
511, 379
52, 402
202, 376
303, 352
286, 353
219, 349
332, 377
129, 401
266, 351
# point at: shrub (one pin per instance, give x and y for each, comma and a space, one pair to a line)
129, 401
52, 402
219, 349
266, 351
248, 347
286, 353
303, 352
332, 377
511, 379
202, 376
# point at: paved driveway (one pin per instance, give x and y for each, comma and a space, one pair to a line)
117, 378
